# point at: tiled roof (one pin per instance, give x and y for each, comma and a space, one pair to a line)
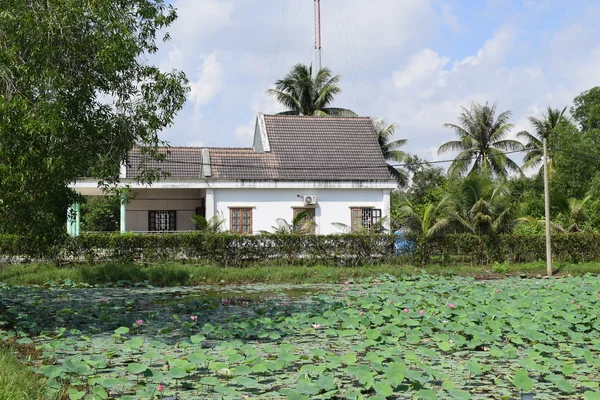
326, 148
180, 163
301, 148
236, 163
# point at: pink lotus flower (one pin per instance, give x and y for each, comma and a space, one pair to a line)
569, 275
160, 388
572, 301
346, 282
194, 317
421, 312
406, 310
347, 288
376, 280
349, 303
578, 305
451, 305
361, 313
139, 322
497, 290
225, 301
316, 326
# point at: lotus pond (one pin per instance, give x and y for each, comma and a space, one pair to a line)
421, 338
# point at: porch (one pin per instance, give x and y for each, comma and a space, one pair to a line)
151, 210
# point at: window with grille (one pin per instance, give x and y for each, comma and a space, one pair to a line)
240, 220
309, 217
162, 221
364, 218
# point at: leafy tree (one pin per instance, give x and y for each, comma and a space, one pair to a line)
586, 109
391, 150
481, 142
428, 183
101, 213
543, 128
76, 93
576, 156
304, 94
212, 225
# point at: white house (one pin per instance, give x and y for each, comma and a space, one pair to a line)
332, 166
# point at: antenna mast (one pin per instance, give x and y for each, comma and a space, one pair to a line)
317, 36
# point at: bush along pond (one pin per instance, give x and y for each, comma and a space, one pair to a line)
423, 337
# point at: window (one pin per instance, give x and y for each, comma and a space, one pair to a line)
310, 218
240, 220
162, 221
364, 218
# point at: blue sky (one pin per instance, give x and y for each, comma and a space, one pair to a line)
412, 62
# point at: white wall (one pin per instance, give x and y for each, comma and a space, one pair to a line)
333, 205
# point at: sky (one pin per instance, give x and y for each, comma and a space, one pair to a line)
411, 62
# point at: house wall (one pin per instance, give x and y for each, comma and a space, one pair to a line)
184, 201
333, 205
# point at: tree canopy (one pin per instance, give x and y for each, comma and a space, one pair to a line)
481, 142
76, 93
305, 94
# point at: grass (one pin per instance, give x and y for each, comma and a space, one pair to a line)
16, 380
177, 274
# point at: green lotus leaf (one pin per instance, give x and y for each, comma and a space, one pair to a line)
134, 343
122, 331
75, 394
383, 388
522, 380
177, 373
589, 395
426, 394
245, 381
136, 368
564, 386
209, 380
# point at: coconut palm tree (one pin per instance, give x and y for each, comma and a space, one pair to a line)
543, 128
572, 215
212, 225
481, 142
391, 150
301, 224
426, 221
304, 94
483, 206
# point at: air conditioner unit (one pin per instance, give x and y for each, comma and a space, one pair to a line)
310, 200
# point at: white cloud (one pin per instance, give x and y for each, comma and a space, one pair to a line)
420, 67
208, 82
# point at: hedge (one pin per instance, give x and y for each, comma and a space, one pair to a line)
222, 248
350, 249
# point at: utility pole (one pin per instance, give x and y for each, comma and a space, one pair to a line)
547, 210
317, 36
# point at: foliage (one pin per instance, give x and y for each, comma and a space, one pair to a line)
213, 225
225, 249
576, 156
17, 382
481, 142
586, 109
101, 213
76, 93
304, 94
428, 183
425, 337
543, 129
301, 224
391, 150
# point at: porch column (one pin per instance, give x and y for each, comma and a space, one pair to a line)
77, 219
210, 203
123, 211
386, 208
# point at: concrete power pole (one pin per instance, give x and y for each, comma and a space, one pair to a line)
547, 210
